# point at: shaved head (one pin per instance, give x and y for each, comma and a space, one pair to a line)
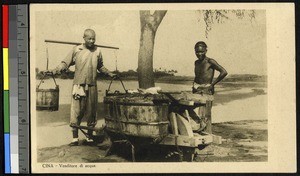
89, 32
89, 37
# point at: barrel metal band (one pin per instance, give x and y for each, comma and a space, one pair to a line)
139, 123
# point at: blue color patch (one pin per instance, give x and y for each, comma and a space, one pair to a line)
7, 153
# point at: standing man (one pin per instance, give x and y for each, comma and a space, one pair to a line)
87, 59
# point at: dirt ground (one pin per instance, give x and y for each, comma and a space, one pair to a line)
242, 141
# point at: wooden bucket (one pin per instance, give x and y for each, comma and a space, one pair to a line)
132, 117
47, 99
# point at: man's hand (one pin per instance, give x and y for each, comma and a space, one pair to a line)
50, 72
113, 75
47, 72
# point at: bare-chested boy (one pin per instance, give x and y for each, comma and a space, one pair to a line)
205, 69
204, 84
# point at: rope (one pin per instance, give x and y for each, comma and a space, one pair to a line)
116, 61
47, 56
116, 58
47, 67
41, 81
44, 78
121, 83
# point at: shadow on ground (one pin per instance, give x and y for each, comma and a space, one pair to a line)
243, 141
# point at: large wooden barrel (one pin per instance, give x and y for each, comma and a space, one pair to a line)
136, 116
47, 99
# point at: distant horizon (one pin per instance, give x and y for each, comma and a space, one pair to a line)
176, 74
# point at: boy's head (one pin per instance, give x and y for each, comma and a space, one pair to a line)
89, 37
200, 50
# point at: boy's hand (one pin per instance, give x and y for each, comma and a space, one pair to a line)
211, 88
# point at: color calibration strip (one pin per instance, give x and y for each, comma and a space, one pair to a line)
5, 29
23, 89
13, 88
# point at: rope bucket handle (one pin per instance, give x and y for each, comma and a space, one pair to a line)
126, 91
47, 72
52, 75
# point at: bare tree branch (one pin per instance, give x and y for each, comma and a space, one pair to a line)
144, 12
143, 15
220, 16
252, 15
158, 16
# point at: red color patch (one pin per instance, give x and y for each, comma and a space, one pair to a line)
5, 26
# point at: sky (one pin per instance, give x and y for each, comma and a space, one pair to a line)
238, 45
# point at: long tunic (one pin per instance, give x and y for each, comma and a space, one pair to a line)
86, 62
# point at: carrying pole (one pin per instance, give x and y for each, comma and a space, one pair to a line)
76, 43
47, 56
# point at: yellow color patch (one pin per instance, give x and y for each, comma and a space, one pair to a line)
5, 69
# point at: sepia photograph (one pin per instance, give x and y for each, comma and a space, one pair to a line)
183, 85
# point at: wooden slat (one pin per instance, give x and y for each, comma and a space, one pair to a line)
181, 141
208, 107
217, 139
173, 121
184, 126
187, 141
186, 102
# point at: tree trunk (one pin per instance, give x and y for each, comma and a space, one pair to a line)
145, 62
149, 25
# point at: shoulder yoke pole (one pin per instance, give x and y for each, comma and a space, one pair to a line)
76, 43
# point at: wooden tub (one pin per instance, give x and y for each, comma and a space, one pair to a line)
47, 99
136, 116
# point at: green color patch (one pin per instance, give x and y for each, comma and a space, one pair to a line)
6, 111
